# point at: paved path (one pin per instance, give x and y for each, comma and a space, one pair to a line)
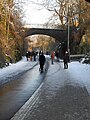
60, 97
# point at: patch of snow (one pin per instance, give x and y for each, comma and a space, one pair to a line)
15, 69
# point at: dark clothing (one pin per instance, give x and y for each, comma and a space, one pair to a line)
66, 60
27, 55
34, 56
41, 61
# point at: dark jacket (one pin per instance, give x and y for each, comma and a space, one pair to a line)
66, 58
42, 59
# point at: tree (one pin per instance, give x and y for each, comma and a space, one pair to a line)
11, 35
73, 11
87, 0
45, 43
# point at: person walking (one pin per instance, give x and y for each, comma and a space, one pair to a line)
41, 61
52, 56
34, 55
27, 55
66, 60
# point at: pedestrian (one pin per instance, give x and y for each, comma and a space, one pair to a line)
27, 55
66, 60
41, 61
34, 55
31, 54
40, 53
57, 55
52, 56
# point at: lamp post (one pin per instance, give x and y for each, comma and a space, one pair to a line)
68, 25
68, 29
68, 37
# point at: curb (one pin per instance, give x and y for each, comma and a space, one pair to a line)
25, 109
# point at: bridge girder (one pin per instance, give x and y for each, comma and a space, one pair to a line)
58, 34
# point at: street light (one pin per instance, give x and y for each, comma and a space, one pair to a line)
68, 29
68, 49
68, 37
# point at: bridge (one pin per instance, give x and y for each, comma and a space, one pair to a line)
59, 34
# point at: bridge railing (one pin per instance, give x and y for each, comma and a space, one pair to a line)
48, 26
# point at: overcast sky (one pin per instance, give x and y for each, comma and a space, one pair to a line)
33, 12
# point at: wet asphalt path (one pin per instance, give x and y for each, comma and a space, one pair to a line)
61, 97
15, 93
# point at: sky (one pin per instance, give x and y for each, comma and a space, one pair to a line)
34, 14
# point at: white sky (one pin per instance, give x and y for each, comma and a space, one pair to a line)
35, 16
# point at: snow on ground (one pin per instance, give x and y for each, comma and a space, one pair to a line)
81, 72
78, 71
14, 69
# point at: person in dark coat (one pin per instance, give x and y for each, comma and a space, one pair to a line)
27, 55
34, 55
42, 61
66, 60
